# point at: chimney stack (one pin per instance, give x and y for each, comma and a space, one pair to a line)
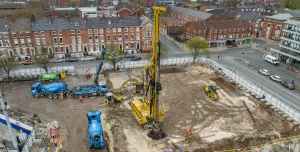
50, 18
10, 19
85, 17
32, 19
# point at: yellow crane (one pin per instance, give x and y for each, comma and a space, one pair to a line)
146, 110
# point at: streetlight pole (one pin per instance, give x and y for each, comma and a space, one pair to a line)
12, 136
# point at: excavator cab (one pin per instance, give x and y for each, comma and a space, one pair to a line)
211, 91
111, 99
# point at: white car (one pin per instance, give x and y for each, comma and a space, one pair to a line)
275, 78
87, 58
264, 71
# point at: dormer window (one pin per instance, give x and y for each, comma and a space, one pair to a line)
76, 23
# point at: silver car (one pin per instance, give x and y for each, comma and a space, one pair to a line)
275, 78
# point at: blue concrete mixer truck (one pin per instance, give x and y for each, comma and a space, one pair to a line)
95, 130
53, 90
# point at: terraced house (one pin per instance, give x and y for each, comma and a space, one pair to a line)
75, 36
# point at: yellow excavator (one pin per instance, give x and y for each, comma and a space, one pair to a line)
146, 110
111, 99
211, 91
138, 86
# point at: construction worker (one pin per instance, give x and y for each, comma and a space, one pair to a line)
52, 133
188, 130
61, 95
80, 99
55, 142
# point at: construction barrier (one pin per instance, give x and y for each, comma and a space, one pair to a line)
59, 144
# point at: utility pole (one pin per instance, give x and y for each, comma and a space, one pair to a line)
12, 136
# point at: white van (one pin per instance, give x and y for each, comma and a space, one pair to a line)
271, 59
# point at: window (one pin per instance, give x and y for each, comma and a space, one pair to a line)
76, 23
95, 31
131, 37
119, 29
72, 32
29, 42
79, 48
73, 40
35, 33
61, 40
108, 30
42, 33
59, 32
137, 29
216, 31
5, 35
97, 47
14, 35
137, 36
132, 45
91, 48
126, 45
96, 38
120, 37
102, 38
55, 40
237, 35
108, 37
21, 34
101, 31
1, 44
115, 37
229, 30
61, 49
114, 29
126, 29
148, 33
90, 39
131, 30
43, 41
7, 42
53, 32
56, 49
38, 42
78, 31
126, 37
233, 30
79, 39
90, 31
16, 42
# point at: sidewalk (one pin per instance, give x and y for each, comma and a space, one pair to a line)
183, 46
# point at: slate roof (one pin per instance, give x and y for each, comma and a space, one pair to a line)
219, 24
215, 24
21, 24
248, 16
190, 12
219, 17
230, 13
10, 5
4, 25
217, 11
245, 7
5, 13
62, 24
234, 23
294, 13
211, 6
279, 17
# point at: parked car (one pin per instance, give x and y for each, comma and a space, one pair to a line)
264, 71
136, 59
26, 62
288, 85
58, 60
276, 78
129, 56
87, 58
71, 59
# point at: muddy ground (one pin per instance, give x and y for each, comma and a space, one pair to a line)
225, 124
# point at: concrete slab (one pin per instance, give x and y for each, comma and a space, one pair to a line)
268, 104
285, 115
290, 119
273, 107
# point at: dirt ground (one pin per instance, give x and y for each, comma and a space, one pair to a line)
225, 124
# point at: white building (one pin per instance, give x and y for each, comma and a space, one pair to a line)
89, 11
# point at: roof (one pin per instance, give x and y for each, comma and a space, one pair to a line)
21, 24
199, 25
211, 6
230, 13
4, 25
73, 12
217, 11
215, 24
234, 23
85, 9
294, 13
122, 9
248, 16
5, 13
219, 17
279, 17
190, 12
10, 5
177, 30
245, 7
62, 24
170, 22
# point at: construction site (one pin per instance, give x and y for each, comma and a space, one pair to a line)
187, 107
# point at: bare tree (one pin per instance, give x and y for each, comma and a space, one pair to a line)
43, 59
7, 64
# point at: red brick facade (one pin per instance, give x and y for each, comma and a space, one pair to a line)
272, 30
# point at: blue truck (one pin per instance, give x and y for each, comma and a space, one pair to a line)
53, 90
95, 130
87, 90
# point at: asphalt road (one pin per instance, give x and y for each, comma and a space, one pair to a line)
291, 97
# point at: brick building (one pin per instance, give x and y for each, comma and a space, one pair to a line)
273, 25
76, 36
124, 12
185, 15
220, 33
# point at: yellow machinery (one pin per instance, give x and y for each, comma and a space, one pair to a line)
146, 110
112, 99
211, 91
138, 86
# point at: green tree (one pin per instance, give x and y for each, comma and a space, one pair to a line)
72, 4
290, 4
197, 46
7, 64
43, 59
115, 49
